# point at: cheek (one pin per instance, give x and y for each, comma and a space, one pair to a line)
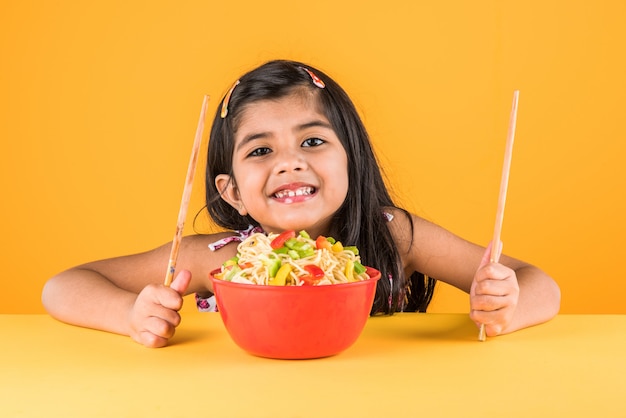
338, 175
246, 181
345, 184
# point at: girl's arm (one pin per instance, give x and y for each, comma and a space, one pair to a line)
126, 295
505, 296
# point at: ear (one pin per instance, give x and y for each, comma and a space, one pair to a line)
228, 191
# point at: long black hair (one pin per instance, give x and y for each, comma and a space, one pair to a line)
361, 220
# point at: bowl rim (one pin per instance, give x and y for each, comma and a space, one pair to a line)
373, 278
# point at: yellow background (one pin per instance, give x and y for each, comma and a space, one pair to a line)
99, 102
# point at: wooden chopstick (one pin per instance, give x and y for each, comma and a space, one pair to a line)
504, 182
184, 204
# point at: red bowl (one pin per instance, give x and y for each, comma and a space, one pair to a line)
295, 322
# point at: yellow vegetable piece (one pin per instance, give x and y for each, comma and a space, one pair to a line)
337, 247
281, 276
230, 262
350, 271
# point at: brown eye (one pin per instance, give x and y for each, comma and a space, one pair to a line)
258, 152
313, 142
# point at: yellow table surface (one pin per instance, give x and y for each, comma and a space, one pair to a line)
405, 365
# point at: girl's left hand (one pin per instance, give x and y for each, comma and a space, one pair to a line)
494, 295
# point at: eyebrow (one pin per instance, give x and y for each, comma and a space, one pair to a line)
259, 135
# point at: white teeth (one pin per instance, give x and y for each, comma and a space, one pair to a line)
302, 191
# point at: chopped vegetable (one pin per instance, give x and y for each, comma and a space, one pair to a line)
272, 264
349, 271
281, 276
352, 248
291, 258
315, 274
322, 243
279, 241
232, 272
359, 268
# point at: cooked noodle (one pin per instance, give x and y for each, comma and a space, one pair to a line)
256, 255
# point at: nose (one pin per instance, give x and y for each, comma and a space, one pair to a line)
290, 160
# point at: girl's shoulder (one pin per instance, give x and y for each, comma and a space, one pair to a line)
413, 235
405, 224
400, 224
398, 218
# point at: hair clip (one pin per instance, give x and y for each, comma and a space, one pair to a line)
316, 80
227, 99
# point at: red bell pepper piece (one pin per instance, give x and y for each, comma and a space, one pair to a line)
321, 242
315, 274
279, 241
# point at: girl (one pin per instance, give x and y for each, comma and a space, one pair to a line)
288, 150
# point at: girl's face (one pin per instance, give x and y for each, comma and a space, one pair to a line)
290, 168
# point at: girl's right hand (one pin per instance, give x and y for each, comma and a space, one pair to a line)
154, 316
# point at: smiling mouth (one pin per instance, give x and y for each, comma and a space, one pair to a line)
302, 191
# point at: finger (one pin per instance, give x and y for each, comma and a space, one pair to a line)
160, 327
494, 329
495, 321
153, 332
494, 276
151, 340
181, 282
491, 303
492, 288
486, 257
169, 298
159, 301
495, 272
486, 271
